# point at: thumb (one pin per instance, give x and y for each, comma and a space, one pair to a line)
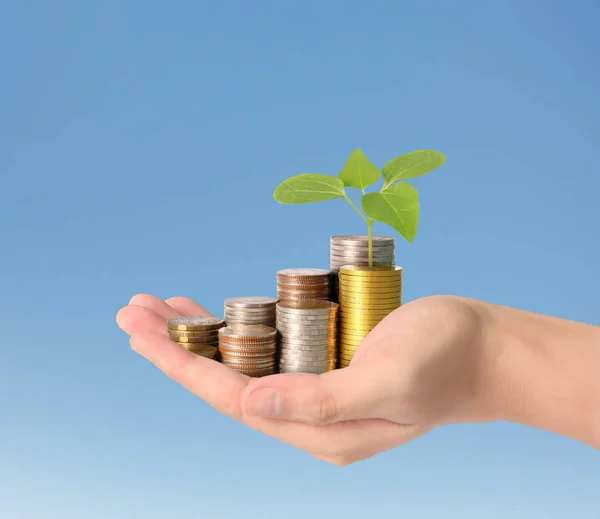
358, 391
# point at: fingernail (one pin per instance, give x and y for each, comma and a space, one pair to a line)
265, 403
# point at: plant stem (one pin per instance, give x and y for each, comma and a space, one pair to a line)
370, 225
355, 208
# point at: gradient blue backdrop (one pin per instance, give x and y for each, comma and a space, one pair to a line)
140, 143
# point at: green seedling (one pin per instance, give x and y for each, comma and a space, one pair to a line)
397, 204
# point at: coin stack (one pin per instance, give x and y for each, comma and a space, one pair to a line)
302, 284
249, 349
200, 335
366, 295
307, 336
250, 310
354, 250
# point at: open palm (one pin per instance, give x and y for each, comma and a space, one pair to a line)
413, 372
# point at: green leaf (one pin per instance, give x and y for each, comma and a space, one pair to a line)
359, 171
309, 187
397, 206
411, 165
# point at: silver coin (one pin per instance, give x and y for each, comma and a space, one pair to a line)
302, 357
304, 317
284, 369
229, 311
360, 248
307, 344
285, 335
241, 332
360, 238
250, 302
330, 346
250, 317
343, 249
305, 330
303, 364
297, 272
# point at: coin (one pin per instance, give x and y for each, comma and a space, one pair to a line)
248, 332
352, 239
211, 334
372, 272
302, 273
307, 307
303, 317
195, 340
197, 323
205, 350
250, 302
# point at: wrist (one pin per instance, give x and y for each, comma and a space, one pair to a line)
540, 371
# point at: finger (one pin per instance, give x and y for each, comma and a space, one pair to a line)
362, 390
220, 386
135, 319
155, 304
186, 306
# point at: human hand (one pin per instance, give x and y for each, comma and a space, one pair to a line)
421, 367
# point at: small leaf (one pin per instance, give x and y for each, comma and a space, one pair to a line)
309, 187
359, 171
411, 165
397, 206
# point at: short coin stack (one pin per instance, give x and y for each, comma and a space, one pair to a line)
307, 336
354, 250
250, 310
366, 296
302, 284
200, 335
249, 349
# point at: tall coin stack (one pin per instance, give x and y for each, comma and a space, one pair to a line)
250, 310
307, 336
249, 349
302, 284
366, 296
200, 335
354, 250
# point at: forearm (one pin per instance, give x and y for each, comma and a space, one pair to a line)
543, 371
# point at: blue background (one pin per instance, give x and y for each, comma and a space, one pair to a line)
140, 143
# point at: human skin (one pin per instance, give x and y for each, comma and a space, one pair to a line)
434, 361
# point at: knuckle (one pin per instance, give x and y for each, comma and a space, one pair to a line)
322, 410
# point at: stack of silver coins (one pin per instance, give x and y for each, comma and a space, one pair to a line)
302, 284
250, 310
354, 250
307, 336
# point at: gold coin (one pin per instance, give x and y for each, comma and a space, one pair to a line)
355, 331
370, 293
205, 350
197, 323
358, 315
349, 345
184, 333
345, 306
379, 270
370, 283
195, 339
386, 291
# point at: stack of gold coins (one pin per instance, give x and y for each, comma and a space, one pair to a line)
366, 296
307, 336
302, 284
200, 335
354, 250
249, 349
250, 310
